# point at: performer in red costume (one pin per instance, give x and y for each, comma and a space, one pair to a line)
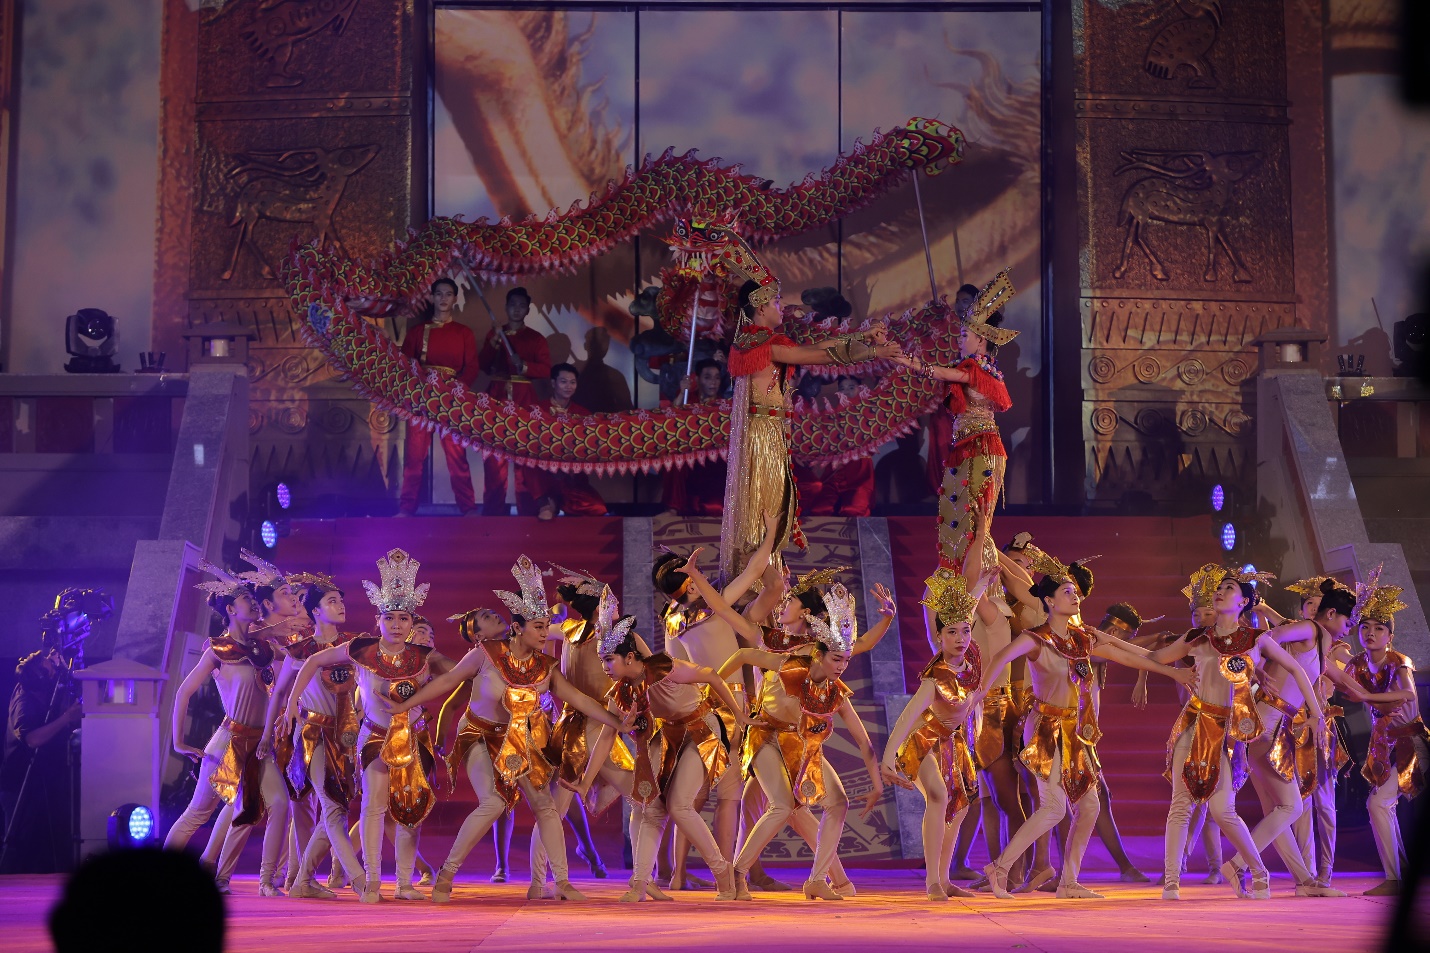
512, 382
547, 493
439, 344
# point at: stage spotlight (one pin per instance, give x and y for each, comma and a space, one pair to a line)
1218, 498
269, 534
1228, 537
132, 825
285, 496
90, 342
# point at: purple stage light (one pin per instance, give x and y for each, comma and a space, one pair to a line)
285, 496
1218, 498
269, 532
1228, 537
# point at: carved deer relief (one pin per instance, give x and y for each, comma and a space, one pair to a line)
1189, 188
302, 186
278, 25
1184, 44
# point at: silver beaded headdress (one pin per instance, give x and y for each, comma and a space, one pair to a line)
838, 633
399, 591
531, 605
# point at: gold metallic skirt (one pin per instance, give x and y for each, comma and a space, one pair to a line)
765, 484
1076, 736
1284, 742
337, 744
999, 733
1213, 736
955, 761
490, 734
570, 748
407, 752
238, 776
693, 730
1399, 750
801, 750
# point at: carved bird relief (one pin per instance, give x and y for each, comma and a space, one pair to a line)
280, 24
1189, 188
1185, 44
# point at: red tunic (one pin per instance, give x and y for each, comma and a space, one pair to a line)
844, 490
451, 346
532, 348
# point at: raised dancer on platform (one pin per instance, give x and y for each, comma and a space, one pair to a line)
973, 471
441, 346
230, 770
1282, 775
395, 750
1397, 757
1061, 732
503, 735
1220, 716
929, 745
762, 361
784, 746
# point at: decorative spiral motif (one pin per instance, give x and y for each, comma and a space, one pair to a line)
1102, 369
290, 420
380, 421
1236, 422
255, 420
1192, 372
1235, 371
1104, 421
255, 367
295, 369
1149, 421
335, 420
1193, 422
1147, 368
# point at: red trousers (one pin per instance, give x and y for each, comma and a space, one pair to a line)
419, 442
494, 490
572, 493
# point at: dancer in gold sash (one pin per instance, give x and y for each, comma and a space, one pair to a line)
395, 750
503, 736
1220, 715
1061, 732
929, 746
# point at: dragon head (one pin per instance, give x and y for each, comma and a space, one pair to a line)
714, 247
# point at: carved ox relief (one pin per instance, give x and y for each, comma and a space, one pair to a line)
1183, 45
278, 25
302, 186
1189, 188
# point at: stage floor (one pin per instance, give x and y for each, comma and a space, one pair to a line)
889, 914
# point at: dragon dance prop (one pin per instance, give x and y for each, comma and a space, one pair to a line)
334, 295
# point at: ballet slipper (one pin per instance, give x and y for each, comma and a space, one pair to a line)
1232, 873
1036, 881
223, 887
372, 892
980, 885
845, 889
769, 884
655, 893
336, 878
952, 890
593, 860
266, 888
692, 882
1261, 884
442, 885
1327, 890
565, 891
742, 886
408, 892
1133, 876
540, 891
1076, 891
997, 881
426, 877
1214, 878
1312, 889
636, 893
499, 875
1171, 890
935, 892
310, 890
725, 881
819, 890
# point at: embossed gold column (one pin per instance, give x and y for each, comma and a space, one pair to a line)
1188, 247
306, 123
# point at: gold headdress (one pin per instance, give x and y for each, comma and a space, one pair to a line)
1046, 564
266, 573
399, 591
585, 583
1306, 588
226, 585
838, 633
814, 579
1374, 601
531, 605
1201, 590
319, 579
1250, 575
611, 629
949, 597
994, 296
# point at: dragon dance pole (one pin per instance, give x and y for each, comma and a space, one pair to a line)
923, 227
690, 354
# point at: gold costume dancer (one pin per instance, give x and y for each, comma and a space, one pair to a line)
762, 361
1061, 733
929, 745
503, 737
784, 746
1397, 756
1220, 716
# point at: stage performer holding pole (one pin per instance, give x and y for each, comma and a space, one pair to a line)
973, 471
396, 757
503, 735
229, 767
442, 345
514, 355
1060, 734
762, 361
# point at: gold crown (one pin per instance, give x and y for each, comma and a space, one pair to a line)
1374, 601
399, 591
838, 633
531, 605
949, 597
994, 296
1048, 565
1201, 590
319, 579
226, 583
1306, 588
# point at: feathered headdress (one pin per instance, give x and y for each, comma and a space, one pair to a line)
531, 604
399, 591
1201, 589
949, 597
266, 573
1306, 588
994, 296
838, 633
585, 583
226, 584
1374, 601
611, 629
